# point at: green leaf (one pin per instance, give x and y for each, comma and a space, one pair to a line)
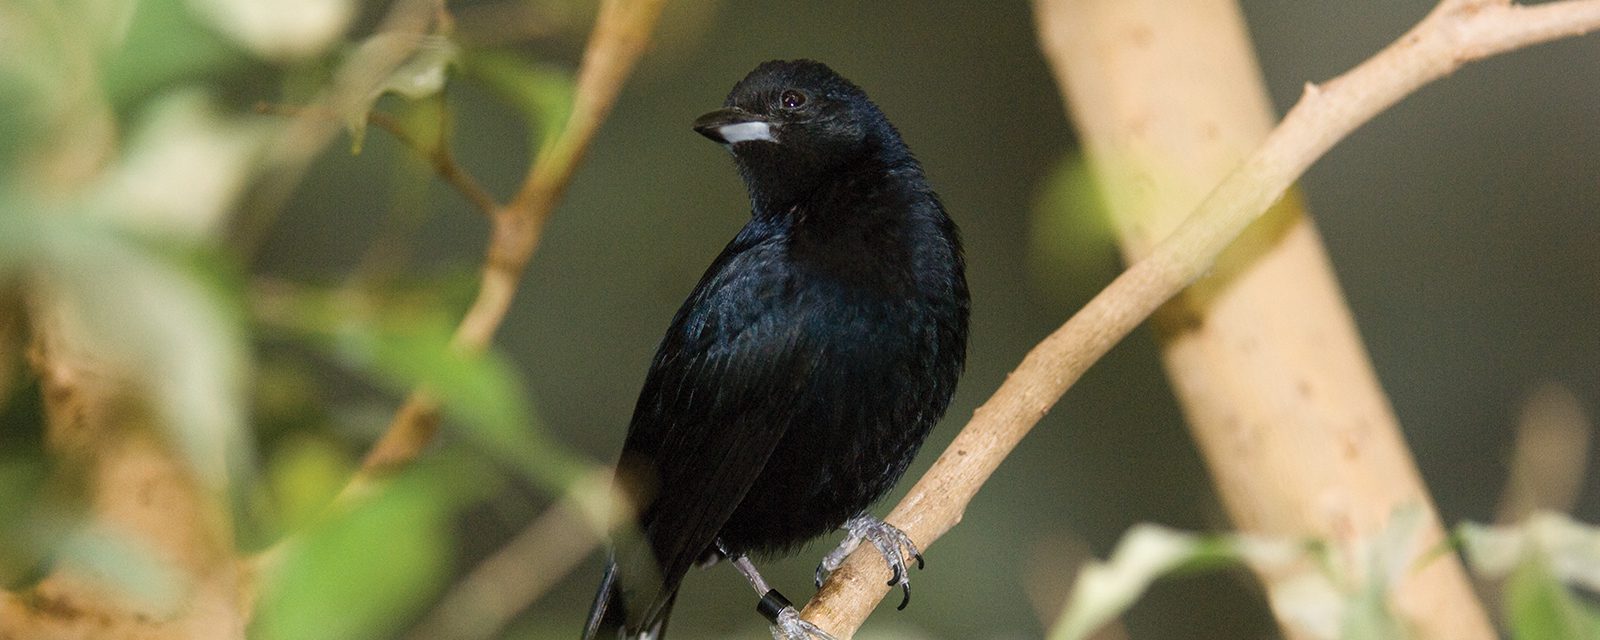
98, 26
304, 477
1320, 593
404, 347
183, 168
1069, 232
1541, 556
1539, 607
357, 575
48, 50
1369, 616
1570, 549
543, 93
166, 46
24, 496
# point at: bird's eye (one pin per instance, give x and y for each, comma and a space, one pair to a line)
791, 99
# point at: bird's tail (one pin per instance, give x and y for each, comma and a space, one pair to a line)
608, 616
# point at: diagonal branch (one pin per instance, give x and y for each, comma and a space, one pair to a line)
443, 161
620, 34
1454, 33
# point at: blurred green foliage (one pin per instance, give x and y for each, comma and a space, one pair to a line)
541, 92
367, 572
130, 150
122, 170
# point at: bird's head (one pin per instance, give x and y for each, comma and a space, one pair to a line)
790, 124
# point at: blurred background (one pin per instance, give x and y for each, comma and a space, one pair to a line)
1464, 225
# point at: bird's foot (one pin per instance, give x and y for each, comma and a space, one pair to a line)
786, 622
791, 627
891, 542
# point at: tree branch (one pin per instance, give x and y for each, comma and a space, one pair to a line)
1455, 33
1277, 389
441, 159
620, 34
138, 487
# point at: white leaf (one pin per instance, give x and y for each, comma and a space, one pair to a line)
1570, 549
284, 30
1105, 589
1325, 595
1492, 551
1310, 602
185, 166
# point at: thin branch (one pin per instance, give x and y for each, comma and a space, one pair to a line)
620, 34
437, 153
1455, 33
441, 159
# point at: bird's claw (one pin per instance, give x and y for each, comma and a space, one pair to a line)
786, 621
892, 544
789, 626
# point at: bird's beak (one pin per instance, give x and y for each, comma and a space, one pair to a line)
734, 125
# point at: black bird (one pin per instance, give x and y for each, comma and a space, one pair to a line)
800, 377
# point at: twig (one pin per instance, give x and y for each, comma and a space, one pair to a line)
1454, 33
438, 153
620, 33
441, 159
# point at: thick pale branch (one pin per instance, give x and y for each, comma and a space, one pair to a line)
1265, 359
1453, 34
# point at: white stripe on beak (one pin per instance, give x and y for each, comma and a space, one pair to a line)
746, 131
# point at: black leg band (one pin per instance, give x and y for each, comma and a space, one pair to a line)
772, 604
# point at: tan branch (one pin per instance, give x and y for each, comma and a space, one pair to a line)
1453, 34
620, 34
1263, 354
441, 159
136, 487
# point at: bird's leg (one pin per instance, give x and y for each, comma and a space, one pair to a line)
786, 622
892, 544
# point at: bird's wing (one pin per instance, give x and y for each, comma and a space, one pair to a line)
715, 404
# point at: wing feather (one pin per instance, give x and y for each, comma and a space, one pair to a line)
698, 435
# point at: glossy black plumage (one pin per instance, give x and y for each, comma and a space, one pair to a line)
800, 377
